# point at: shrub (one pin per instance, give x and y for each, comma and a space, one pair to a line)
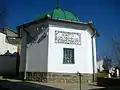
102, 74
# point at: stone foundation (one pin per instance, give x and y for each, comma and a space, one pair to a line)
58, 77
36, 76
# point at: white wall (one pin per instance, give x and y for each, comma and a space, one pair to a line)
36, 49
6, 46
47, 56
23, 52
83, 53
37, 57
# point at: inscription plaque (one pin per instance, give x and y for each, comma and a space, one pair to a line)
67, 37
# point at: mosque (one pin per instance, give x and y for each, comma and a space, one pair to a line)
57, 44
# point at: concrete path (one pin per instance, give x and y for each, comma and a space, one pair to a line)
19, 85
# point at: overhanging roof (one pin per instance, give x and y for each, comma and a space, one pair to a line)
65, 21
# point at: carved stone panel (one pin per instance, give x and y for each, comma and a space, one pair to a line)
67, 37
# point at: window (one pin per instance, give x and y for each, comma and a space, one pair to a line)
68, 56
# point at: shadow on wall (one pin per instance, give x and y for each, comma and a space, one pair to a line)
8, 85
36, 38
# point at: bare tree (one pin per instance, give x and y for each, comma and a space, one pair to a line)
116, 50
107, 63
3, 14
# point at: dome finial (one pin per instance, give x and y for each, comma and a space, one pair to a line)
58, 5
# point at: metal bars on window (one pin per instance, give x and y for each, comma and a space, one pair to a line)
68, 56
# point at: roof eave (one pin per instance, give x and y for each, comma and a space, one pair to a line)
94, 29
83, 23
45, 19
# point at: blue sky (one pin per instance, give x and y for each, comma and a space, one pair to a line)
105, 15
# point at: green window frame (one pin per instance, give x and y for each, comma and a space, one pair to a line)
68, 56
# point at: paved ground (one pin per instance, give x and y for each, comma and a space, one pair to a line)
18, 85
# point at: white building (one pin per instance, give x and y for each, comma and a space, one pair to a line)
8, 52
5, 45
58, 42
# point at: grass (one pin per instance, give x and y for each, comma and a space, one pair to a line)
102, 74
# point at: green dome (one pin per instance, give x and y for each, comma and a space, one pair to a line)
59, 14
